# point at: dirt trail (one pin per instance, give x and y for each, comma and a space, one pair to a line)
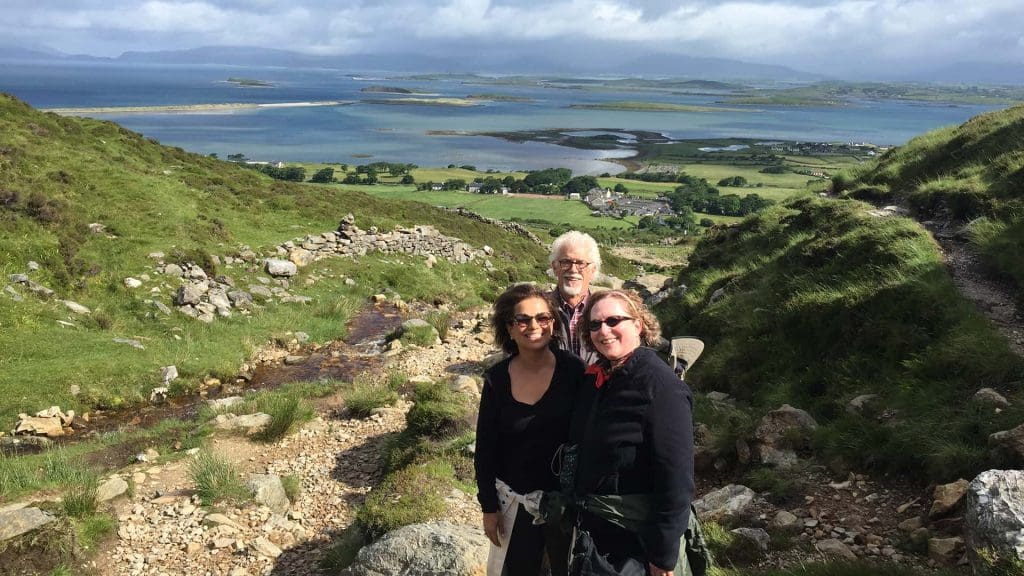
993, 297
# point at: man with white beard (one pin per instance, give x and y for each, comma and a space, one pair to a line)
575, 260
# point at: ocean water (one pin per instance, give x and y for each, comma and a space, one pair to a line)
363, 132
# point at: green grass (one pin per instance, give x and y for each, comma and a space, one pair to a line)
554, 209
216, 480
292, 487
419, 335
408, 496
438, 412
287, 412
63, 173
79, 499
969, 173
364, 396
832, 303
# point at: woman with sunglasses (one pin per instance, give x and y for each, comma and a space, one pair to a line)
633, 430
524, 415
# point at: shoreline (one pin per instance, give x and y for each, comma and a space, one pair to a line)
187, 108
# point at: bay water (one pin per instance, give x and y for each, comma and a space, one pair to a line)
362, 131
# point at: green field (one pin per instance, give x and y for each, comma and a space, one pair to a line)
555, 209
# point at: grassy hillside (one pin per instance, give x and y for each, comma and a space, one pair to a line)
972, 173
815, 302
62, 174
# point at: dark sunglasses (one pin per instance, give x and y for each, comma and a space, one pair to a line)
611, 321
523, 321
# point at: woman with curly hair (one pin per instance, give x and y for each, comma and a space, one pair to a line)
633, 428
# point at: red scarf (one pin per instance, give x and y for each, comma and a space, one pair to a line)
601, 373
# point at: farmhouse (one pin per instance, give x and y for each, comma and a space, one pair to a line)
603, 201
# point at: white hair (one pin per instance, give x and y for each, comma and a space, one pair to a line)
580, 240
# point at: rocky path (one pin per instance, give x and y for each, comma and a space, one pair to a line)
994, 298
162, 529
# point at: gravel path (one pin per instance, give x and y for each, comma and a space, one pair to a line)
993, 297
163, 531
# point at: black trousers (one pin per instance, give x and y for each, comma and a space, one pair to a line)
528, 543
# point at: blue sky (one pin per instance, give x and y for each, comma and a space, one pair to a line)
839, 36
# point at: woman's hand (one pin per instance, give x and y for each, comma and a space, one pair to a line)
492, 527
655, 571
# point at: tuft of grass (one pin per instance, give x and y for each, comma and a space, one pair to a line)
408, 496
292, 487
216, 480
91, 530
287, 411
441, 321
15, 475
782, 485
364, 397
79, 500
438, 412
419, 335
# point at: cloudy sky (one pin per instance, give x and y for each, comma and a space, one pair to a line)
845, 36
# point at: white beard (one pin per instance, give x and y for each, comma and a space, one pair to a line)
571, 290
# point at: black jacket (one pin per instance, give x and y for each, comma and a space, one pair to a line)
516, 441
639, 441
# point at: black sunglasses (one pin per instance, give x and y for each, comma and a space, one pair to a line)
523, 321
611, 321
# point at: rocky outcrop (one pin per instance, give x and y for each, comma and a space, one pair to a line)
994, 515
728, 502
424, 550
17, 520
782, 432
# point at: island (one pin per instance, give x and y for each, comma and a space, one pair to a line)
249, 82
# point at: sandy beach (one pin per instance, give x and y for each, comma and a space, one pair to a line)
193, 108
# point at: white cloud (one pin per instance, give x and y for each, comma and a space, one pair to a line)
819, 33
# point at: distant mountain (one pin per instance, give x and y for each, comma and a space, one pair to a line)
1009, 73
550, 58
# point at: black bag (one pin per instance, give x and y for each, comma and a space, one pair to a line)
586, 561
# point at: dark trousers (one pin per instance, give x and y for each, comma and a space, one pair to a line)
528, 543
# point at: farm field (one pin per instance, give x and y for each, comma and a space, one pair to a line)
555, 209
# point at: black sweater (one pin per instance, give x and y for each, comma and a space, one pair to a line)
639, 442
516, 441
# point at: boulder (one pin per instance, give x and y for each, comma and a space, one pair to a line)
1011, 442
50, 427
77, 308
424, 550
863, 403
280, 268
945, 550
22, 520
268, 490
785, 520
782, 431
190, 293
994, 515
168, 374
835, 548
111, 489
727, 502
990, 397
755, 538
947, 497
132, 282
301, 257
251, 423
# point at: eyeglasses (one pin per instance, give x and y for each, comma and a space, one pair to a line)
611, 321
569, 264
523, 321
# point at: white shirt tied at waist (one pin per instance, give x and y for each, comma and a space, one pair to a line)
510, 501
